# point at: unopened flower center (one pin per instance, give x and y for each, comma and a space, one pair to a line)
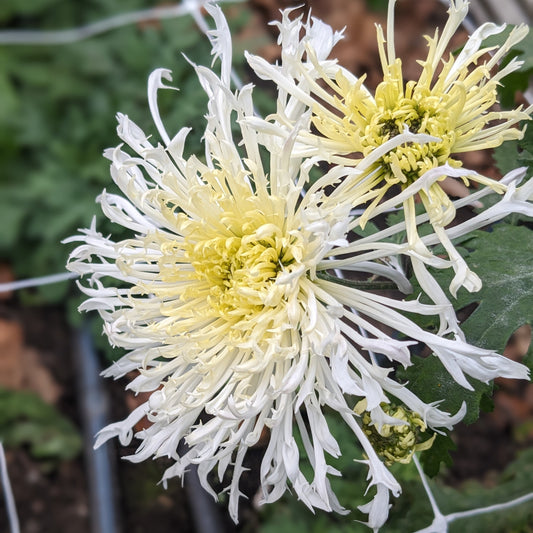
395, 443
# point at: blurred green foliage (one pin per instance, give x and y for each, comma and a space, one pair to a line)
378, 5
26, 420
57, 115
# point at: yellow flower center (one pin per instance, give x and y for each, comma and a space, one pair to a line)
241, 268
229, 263
421, 112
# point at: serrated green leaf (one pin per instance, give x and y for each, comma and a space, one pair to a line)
429, 380
502, 259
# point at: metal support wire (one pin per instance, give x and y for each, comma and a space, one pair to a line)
72, 35
36, 282
11, 508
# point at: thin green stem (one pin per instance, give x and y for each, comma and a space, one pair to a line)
356, 284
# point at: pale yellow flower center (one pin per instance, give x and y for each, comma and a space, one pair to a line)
236, 260
418, 110
240, 269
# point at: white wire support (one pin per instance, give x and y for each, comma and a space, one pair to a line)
11, 509
490, 508
36, 282
440, 522
72, 35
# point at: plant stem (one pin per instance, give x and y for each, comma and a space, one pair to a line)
354, 284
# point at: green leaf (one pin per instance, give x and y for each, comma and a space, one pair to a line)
429, 380
438, 453
514, 154
502, 259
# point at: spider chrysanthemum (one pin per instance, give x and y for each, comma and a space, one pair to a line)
234, 320
426, 123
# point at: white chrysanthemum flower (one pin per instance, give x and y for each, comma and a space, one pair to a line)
450, 107
226, 306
